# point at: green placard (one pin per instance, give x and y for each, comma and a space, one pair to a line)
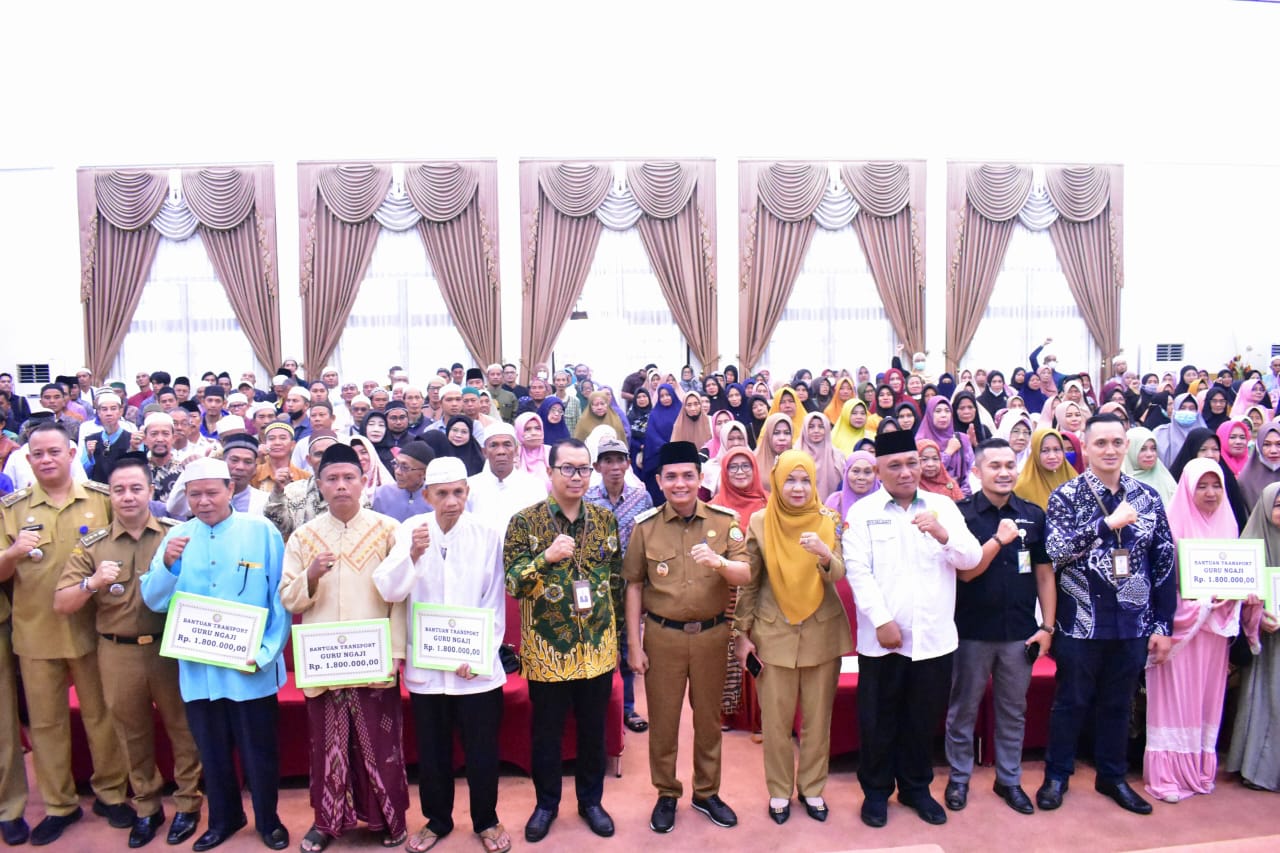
1221, 568
213, 631
1271, 592
445, 637
340, 654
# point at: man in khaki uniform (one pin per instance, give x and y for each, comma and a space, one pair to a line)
679, 565
105, 568
13, 771
41, 525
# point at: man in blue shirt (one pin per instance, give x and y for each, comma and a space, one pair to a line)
1109, 540
235, 557
101, 448
403, 499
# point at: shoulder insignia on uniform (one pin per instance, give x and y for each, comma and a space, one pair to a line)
95, 486
13, 497
724, 509
169, 522
647, 514
96, 536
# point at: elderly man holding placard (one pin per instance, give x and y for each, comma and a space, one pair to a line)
345, 650
448, 566
217, 577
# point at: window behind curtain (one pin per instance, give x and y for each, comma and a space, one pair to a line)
1030, 302
834, 317
184, 323
399, 316
628, 322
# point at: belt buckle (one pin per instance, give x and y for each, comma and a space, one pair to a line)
146, 640
693, 627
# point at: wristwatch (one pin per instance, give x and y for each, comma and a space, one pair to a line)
84, 585
1048, 629
724, 564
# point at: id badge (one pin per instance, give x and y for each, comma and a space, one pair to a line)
582, 601
1024, 561
1120, 562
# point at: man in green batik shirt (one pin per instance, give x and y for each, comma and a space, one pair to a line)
564, 566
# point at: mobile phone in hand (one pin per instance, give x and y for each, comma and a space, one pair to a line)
1032, 651
754, 666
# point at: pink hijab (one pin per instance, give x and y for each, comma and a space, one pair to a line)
1235, 463
533, 461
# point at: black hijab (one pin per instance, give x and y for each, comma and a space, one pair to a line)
1210, 419
383, 445
907, 404
890, 412
980, 431
470, 453
994, 402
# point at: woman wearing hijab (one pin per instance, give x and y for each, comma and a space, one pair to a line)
1171, 436
1233, 439
994, 395
379, 435
1046, 468
821, 394
946, 386
1203, 444
457, 440
776, 438
906, 416
738, 403
740, 490
616, 404
1016, 428
598, 412
759, 412
691, 424
1252, 393
897, 382
1187, 375
859, 481
554, 429
1032, 392
815, 439
1255, 738
729, 436
731, 374
532, 452
886, 405
714, 391
805, 396
638, 418
1142, 463
1215, 408
969, 418
956, 451
793, 546
1184, 694
662, 420
852, 425
934, 477
375, 473
788, 403
1070, 416
1263, 467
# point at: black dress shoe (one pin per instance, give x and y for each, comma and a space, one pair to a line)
213, 837
780, 816
183, 827
597, 818
145, 829
635, 722
121, 815
927, 807
50, 829
15, 831
1124, 796
956, 796
539, 824
276, 839
875, 813
1049, 795
663, 818
716, 809
1015, 797
818, 813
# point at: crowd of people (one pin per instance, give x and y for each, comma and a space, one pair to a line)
690, 530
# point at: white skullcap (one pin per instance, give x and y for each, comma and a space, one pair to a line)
452, 387
445, 469
1119, 358
80, 370
500, 428
299, 391
236, 397
108, 397
279, 379
260, 407
231, 423
204, 468
329, 369
157, 419
360, 398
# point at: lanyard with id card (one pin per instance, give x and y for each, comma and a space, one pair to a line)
1119, 555
583, 597
1024, 556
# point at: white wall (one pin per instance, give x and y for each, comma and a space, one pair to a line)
1182, 93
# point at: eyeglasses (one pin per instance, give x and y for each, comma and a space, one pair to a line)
409, 469
1021, 432
739, 468
568, 471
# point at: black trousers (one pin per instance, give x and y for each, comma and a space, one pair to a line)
901, 703
478, 717
589, 699
220, 726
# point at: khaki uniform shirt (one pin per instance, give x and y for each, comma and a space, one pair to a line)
675, 586
119, 606
38, 632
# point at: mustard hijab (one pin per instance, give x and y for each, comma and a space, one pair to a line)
1036, 483
793, 572
843, 434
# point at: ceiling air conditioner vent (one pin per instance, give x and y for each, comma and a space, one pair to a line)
1169, 352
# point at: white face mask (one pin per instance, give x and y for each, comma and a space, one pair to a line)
1051, 364
919, 365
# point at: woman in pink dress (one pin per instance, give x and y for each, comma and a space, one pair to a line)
1185, 693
